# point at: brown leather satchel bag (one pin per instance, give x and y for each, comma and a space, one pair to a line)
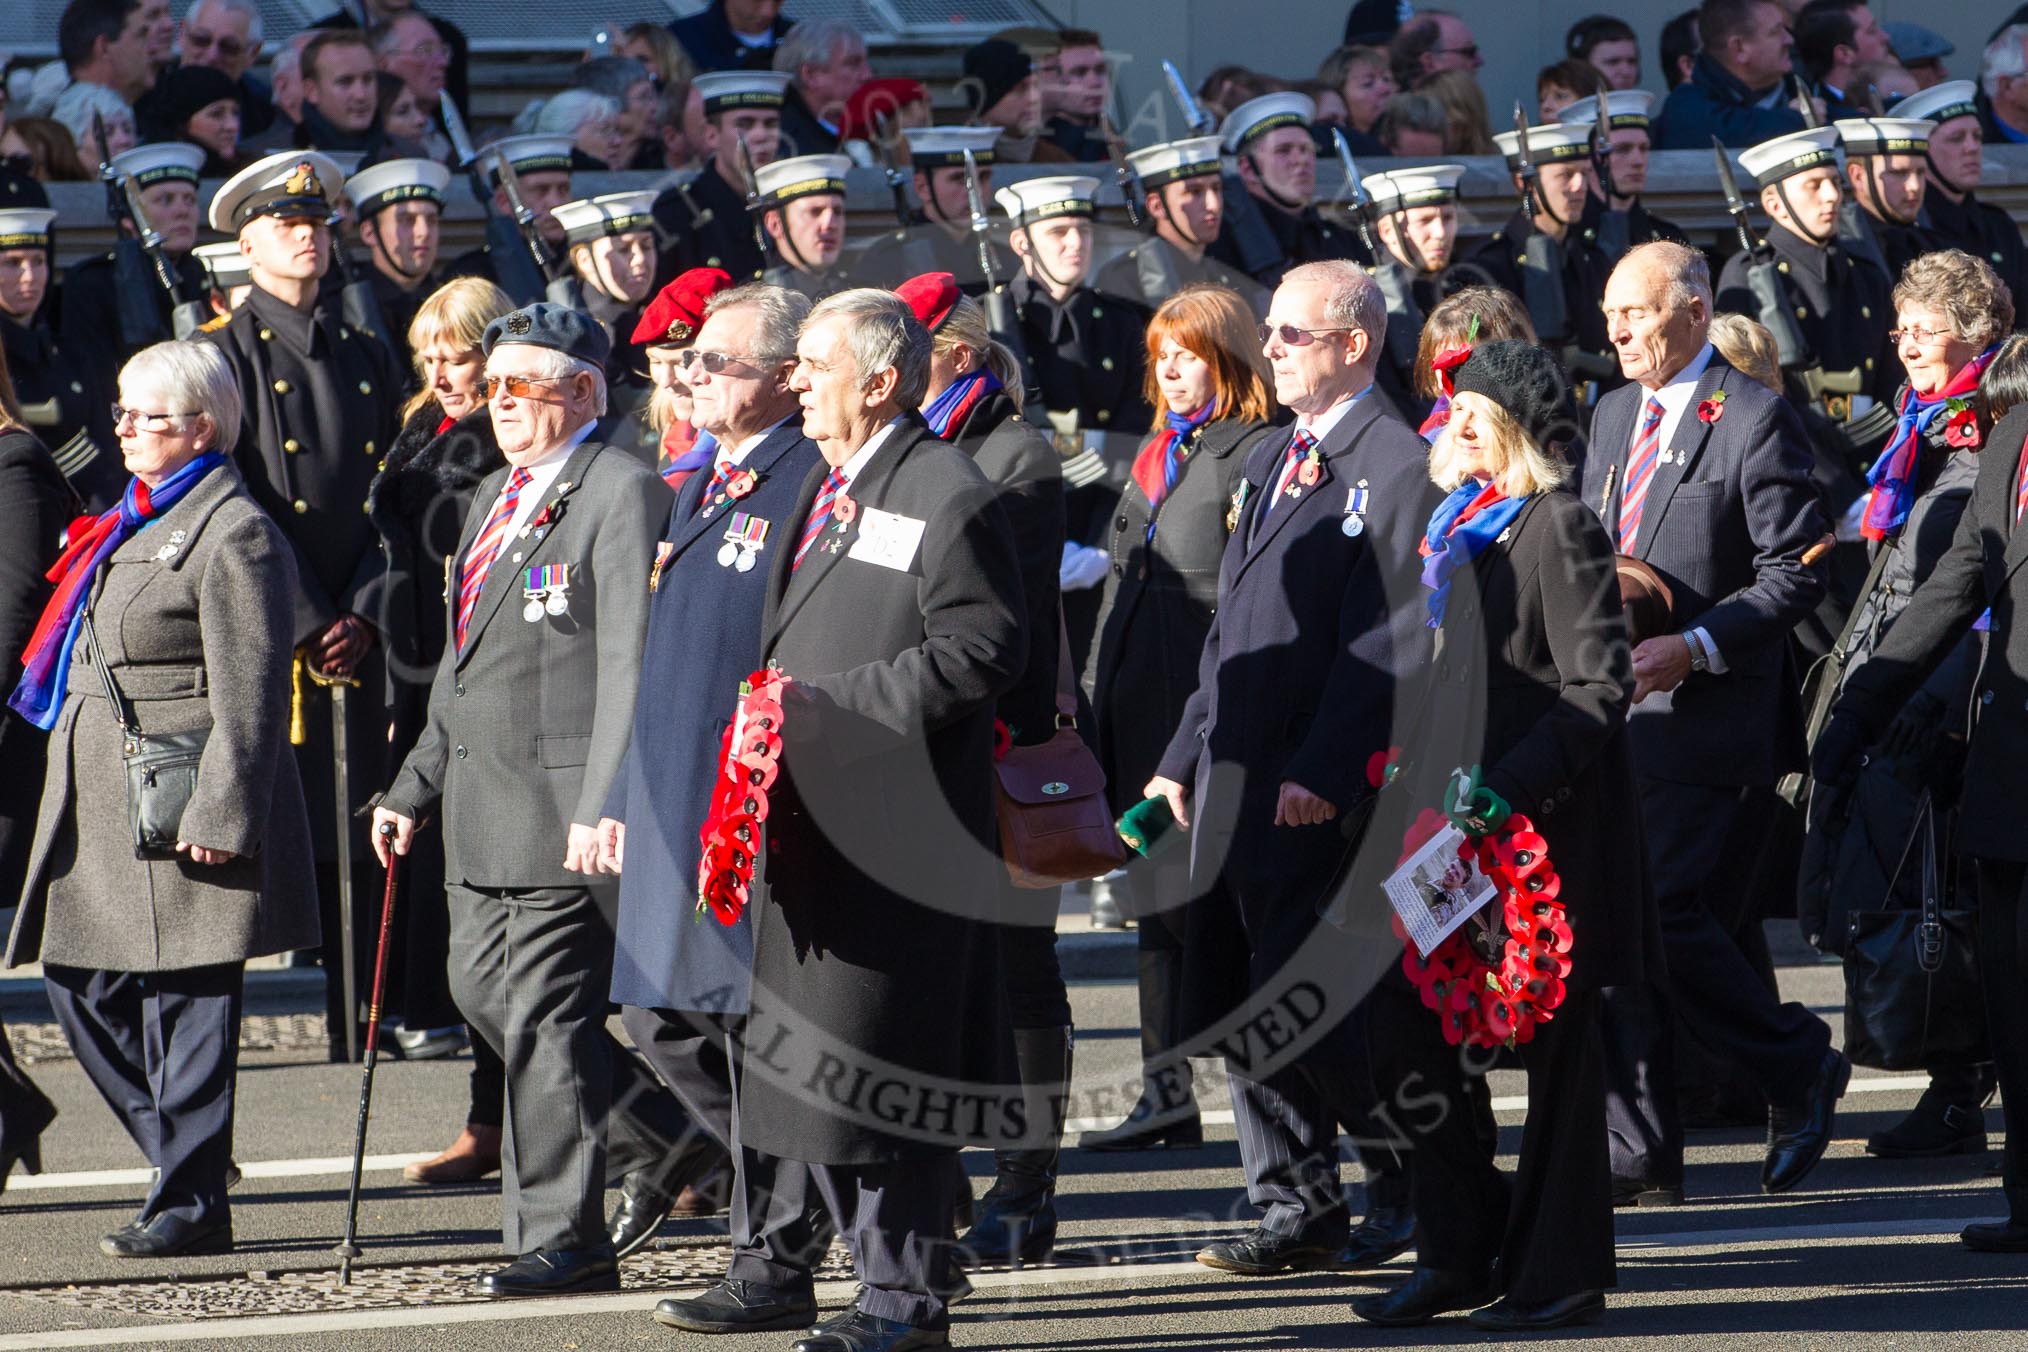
1055, 824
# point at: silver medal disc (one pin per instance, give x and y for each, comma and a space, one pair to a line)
1353, 524
557, 603
744, 563
532, 611
728, 554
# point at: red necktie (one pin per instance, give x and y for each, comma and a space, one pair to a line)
721, 470
486, 548
2021, 484
1640, 470
1299, 447
820, 515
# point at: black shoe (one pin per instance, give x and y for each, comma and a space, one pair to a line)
1386, 1233
1426, 1294
1639, 1192
1263, 1253
1933, 1128
1798, 1136
554, 1272
1150, 1127
641, 1211
1514, 1316
732, 1306
863, 1332
168, 1236
2007, 1236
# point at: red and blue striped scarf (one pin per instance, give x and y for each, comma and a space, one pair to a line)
1893, 474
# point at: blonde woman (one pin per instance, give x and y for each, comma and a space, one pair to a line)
1532, 683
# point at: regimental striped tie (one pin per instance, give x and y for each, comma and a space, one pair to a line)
1299, 447
2021, 485
1640, 472
820, 515
486, 548
721, 470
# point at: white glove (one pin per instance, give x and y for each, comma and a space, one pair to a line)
1083, 566
1848, 524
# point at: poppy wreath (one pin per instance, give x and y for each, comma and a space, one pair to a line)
750, 758
1482, 1003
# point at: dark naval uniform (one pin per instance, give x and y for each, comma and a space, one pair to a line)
1844, 307
1889, 245
814, 285
92, 338
56, 395
1146, 273
398, 308
1588, 353
1981, 230
1305, 236
724, 240
892, 258
1644, 227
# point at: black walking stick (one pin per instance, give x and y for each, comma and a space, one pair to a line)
347, 1248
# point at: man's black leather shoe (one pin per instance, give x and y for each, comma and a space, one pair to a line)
1426, 1294
1996, 1236
554, 1272
1264, 1253
864, 1332
1799, 1136
639, 1215
167, 1236
1386, 1233
1513, 1316
1641, 1193
732, 1306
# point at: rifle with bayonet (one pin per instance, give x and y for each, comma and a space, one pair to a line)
560, 285
1614, 232
1396, 281
519, 264
754, 209
1001, 321
916, 256
1154, 269
1541, 253
1260, 253
1770, 292
135, 257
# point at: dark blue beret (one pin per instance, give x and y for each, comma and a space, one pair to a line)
557, 327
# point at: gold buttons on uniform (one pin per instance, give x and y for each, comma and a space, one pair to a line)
1802, 313
1106, 363
1096, 312
366, 387
1105, 415
369, 448
76, 388
291, 445
300, 506
1782, 266
1866, 312
281, 387
267, 335
343, 333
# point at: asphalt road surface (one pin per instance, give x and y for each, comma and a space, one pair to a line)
1863, 1256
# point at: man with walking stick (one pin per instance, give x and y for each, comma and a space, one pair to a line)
529, 718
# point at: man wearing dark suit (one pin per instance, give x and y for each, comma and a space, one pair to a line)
1296, 688
528, 723
733, 34
706, 225
826, 59
1977, 576
1705, 475
683, 981
897, 621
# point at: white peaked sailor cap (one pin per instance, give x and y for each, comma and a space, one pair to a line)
1798, 152
942, 147
1941, 102
529, 154
391, 181
1427, 185
160, 162
783, 181
613, 213
224, 264
1257, 117
1624, 108
725, 91
25, 227
292, 184
1039, 199
1550, 143
1885, 135
1193, 157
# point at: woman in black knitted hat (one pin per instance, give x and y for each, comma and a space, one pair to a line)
199, 105
1530, 683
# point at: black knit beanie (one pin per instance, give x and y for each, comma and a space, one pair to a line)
1521, 378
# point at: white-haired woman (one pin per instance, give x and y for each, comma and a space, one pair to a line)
592, 121
1530, 683
81, 107
178, 602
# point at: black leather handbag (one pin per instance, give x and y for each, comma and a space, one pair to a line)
1911, 978
161, 767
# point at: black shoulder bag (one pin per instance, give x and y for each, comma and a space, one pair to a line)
161, 767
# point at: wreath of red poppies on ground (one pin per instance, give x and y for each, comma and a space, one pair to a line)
1481, 1003
749, 760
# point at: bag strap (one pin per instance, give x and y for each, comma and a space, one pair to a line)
1066, 681
123, 710
1929, 936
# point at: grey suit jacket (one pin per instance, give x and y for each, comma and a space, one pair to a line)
529, 722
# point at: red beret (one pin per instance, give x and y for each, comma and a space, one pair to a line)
931, 296
677, 312
876, 99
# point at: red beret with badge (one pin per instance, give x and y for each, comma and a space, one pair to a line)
673, 318
931, 296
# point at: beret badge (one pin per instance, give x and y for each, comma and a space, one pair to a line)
679, 331
518, 324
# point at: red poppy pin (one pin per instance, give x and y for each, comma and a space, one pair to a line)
740, 484
1962, 431
844, 509
1447, 361
1712, 409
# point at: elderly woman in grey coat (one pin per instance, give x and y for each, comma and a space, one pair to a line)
183, 590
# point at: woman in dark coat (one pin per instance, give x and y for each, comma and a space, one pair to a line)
187, 586
1205, 371
1864, 848
418, 504
1531, 679
36, 504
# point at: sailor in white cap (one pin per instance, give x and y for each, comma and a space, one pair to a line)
541, 167
228, 277
610, 243
1956, 165
1842, 304
1414, 215
1885, 159
940, 238
398, 205
1629, 139
1183, 201
57, 394
801, 203
321, 400
1269, 137
1549, 234
707, 225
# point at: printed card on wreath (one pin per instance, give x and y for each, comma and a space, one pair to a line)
1438, 888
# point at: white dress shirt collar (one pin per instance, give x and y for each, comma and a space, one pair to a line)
738, 454
1675, 396
541, 475
1323, 424
859, 458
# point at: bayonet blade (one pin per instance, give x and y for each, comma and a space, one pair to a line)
1193, 113
454, 127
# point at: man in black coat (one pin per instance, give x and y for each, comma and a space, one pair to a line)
1184, 202
1951, 207
733, 35
398, 205
1318, 620
707, 225
1976, 577
1884, 168
1270, 139
1704, 474
1737, 88
826, 60
897, 622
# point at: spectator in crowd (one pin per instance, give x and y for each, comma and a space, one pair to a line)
1679, 47
341, 96
105, 42
655, 47
1921, 50
2003, 87
77, 110
1364, 81
1372, 23
285, 84
400, 112
631, 85
1470, 131
226, 35
1077, 84
1834, 38
999, 85
159, 39
1414, 125
379, 13
409, 48
825, 60
876, 114
1331, 111
1560, 85
201, 105
592, 121
733, 34
1611, 48
679, 122
50, 148
1735, 88
1226, 87
1431, 43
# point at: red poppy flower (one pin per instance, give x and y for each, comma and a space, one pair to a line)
740, 484
1003, 740
844, 509
1962, 431
1381, 766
